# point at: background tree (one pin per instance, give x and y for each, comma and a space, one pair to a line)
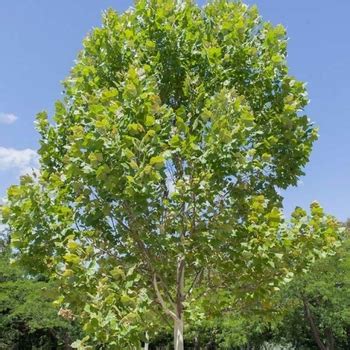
159, 178
28, 318
318, 316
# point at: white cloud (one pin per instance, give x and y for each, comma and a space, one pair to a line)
21, 161
7, 118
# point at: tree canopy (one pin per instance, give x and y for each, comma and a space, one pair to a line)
160, 172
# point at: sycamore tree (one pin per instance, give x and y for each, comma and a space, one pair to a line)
158, 191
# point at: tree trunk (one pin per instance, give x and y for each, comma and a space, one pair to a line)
330, 339
313, 327
146, 347
196, 343
179, 334
177, 314
179, 320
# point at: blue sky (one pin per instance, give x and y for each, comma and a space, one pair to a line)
40, 39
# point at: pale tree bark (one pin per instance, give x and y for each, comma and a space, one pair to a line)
179, 334
180, 298
146, 347
196, 343
177, 314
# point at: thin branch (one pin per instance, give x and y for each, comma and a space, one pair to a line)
148, 259
161, 300
194, 282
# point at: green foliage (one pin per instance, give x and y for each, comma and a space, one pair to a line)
28, 318
178, 127
325, 291
230, 331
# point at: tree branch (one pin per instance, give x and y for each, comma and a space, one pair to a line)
314, 329
180, 284
194, 282
161, 300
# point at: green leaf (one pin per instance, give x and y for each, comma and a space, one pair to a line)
157, 161
149, 121
72, 258
135, 128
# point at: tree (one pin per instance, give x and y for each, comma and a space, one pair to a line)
28, 318
318, 314
159, 178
